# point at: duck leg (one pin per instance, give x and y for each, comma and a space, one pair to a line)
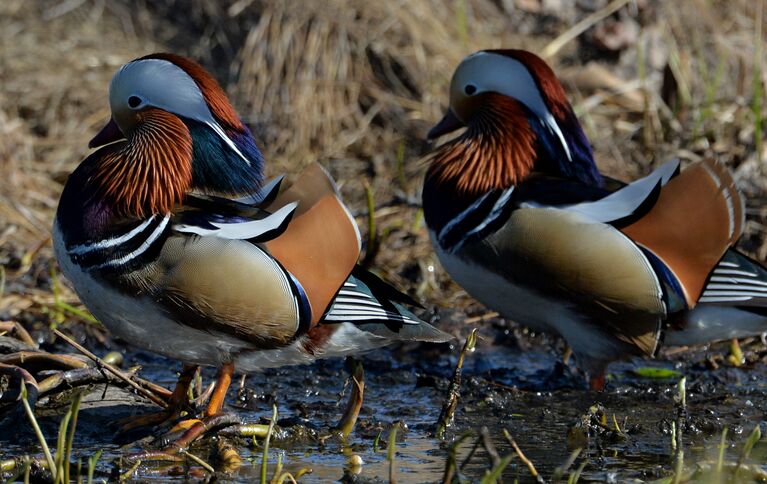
216, 402
176, 404
597, 382
212, 416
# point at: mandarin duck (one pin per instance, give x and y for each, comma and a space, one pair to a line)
173, 242
523, 220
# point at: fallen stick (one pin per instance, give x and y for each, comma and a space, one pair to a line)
454, 390
119, 374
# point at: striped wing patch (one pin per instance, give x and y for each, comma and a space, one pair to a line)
354, 304
736, 280
480, 219
131, 249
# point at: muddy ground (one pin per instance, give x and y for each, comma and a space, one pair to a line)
513, 381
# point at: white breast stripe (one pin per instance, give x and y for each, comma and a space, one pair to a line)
141, 249
106, 243
459, 218
494, 213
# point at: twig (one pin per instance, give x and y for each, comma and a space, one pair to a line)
522, 457
119, 374
353, 406
127, 474
198, 460
481, 317
21, 358
227, 454
28, 384
681, 415
246, 430
555, 45
448, 409
20, 330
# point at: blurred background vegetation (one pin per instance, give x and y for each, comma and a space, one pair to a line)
356, 84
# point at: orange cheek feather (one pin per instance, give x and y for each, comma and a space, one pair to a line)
497, 150
152, 171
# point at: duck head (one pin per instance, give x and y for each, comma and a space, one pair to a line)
517, 119
180, 133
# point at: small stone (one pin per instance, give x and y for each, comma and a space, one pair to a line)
114, 358
356, 461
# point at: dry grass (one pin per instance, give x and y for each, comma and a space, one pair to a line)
355, 85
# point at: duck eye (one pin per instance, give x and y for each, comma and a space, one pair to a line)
470, 89
134, 101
